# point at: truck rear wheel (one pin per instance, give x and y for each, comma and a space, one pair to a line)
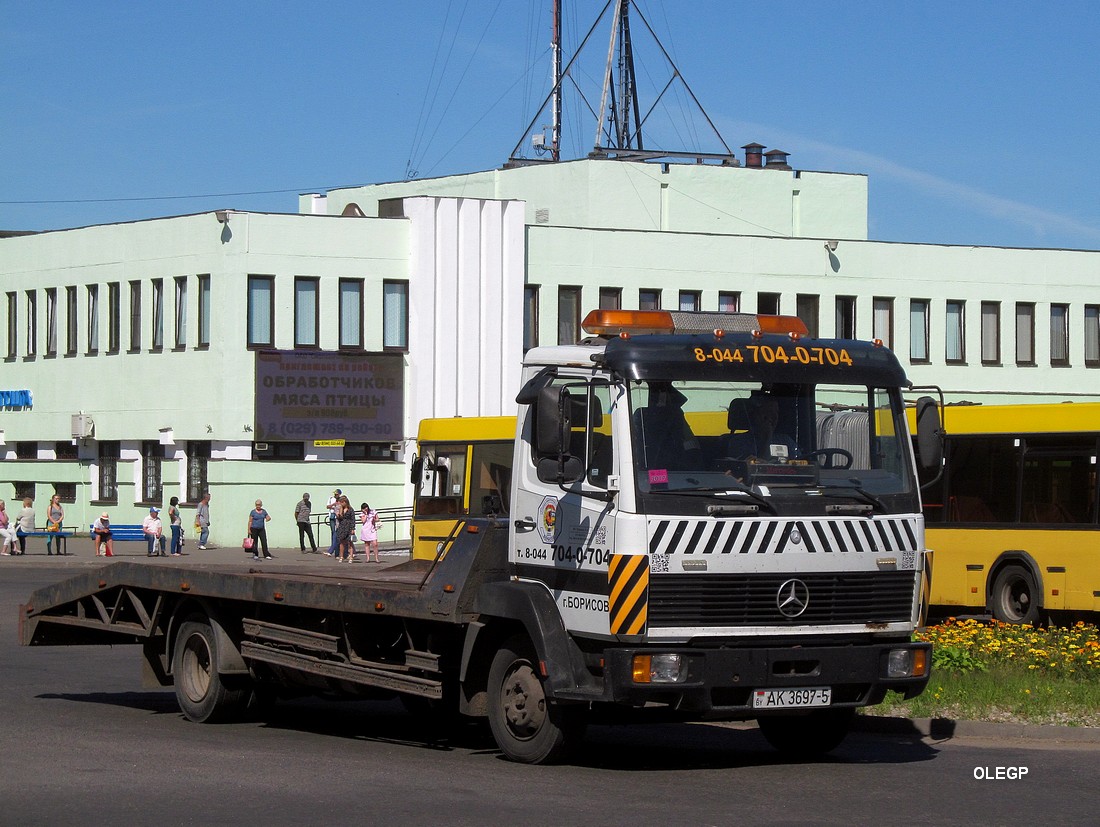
809, 735
1013, 597
526, 726
203, 694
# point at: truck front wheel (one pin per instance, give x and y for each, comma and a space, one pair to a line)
203, 694
526, 726
809, 735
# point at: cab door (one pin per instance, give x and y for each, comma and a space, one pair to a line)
564, 528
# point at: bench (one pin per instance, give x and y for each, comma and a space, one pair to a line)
61, 536
127, 533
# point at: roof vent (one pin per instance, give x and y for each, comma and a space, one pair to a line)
777, 159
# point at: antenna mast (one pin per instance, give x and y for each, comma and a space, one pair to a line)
555, 123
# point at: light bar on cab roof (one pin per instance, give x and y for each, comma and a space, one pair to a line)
637, 322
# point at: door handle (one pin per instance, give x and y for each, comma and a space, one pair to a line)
526, 524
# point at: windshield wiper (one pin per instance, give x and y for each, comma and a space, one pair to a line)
855, 488
725, 493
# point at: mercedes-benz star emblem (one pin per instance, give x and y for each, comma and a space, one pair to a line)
792, 598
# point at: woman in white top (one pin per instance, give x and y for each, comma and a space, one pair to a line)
7, 531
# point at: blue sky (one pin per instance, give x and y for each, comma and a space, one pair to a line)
976, 122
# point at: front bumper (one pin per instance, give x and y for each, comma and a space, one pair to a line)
719, 683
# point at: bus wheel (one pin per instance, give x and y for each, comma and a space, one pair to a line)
526, 726
807, 736
1013, 599
203, 694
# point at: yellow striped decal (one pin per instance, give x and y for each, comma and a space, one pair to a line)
628, 582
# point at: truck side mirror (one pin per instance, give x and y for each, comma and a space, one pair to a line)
553, 423
929, 433
416, 470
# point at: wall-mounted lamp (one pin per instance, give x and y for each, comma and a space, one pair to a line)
831, 246
222, 216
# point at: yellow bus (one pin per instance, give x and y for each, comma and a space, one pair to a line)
1013, 520
462, 468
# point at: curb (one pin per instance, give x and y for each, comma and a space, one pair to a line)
944, 729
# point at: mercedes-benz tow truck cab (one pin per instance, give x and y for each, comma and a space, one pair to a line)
692, 498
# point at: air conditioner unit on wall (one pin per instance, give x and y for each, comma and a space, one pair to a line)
83, 426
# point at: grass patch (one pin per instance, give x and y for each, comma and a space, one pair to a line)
1000, 672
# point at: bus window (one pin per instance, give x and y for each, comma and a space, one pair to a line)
443, 480
490, 478
981, 479
1058, 483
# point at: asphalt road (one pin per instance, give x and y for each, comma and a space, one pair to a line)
82, 743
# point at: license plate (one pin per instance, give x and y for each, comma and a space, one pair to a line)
788, 698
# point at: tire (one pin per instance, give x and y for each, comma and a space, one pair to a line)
1014, 597
807, 736
528, 728
203, 695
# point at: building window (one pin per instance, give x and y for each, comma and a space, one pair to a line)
23, 489
135, 316
13, 325
66, 491
198, 457
306, 321
260, 324
807, 308
767, 304
93, 319
65, 450
181, 312
955, 332
204, 312
1092, 335
845, 317
369, 451
70, 321
108, 471
395, 315
1025, 333
991, 333
351, 314
114, 316
151, 455
729, 302
158, 314
611, 298
1059, 335
278, 450
690, 301
569, 315
530, 317
32, 323
649, 299
918, 330
882, 321
51, 321
26, 450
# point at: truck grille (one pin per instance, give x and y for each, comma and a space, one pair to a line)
752, 599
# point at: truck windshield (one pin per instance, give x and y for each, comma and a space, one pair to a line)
804, 447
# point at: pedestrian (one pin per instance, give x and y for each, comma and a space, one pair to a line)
332, 506
7, 531
55, 517
202, 520
25, 523
101, 529
302, 514
154, 533
345, 528
175, 523
368, 532
257, 530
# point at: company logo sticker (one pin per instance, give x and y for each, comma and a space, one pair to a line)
548, 519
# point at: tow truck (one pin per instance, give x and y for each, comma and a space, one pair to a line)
622, 550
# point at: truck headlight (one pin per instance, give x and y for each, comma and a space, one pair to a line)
664, 668
906, 663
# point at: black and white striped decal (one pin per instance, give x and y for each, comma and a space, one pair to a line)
776, 536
